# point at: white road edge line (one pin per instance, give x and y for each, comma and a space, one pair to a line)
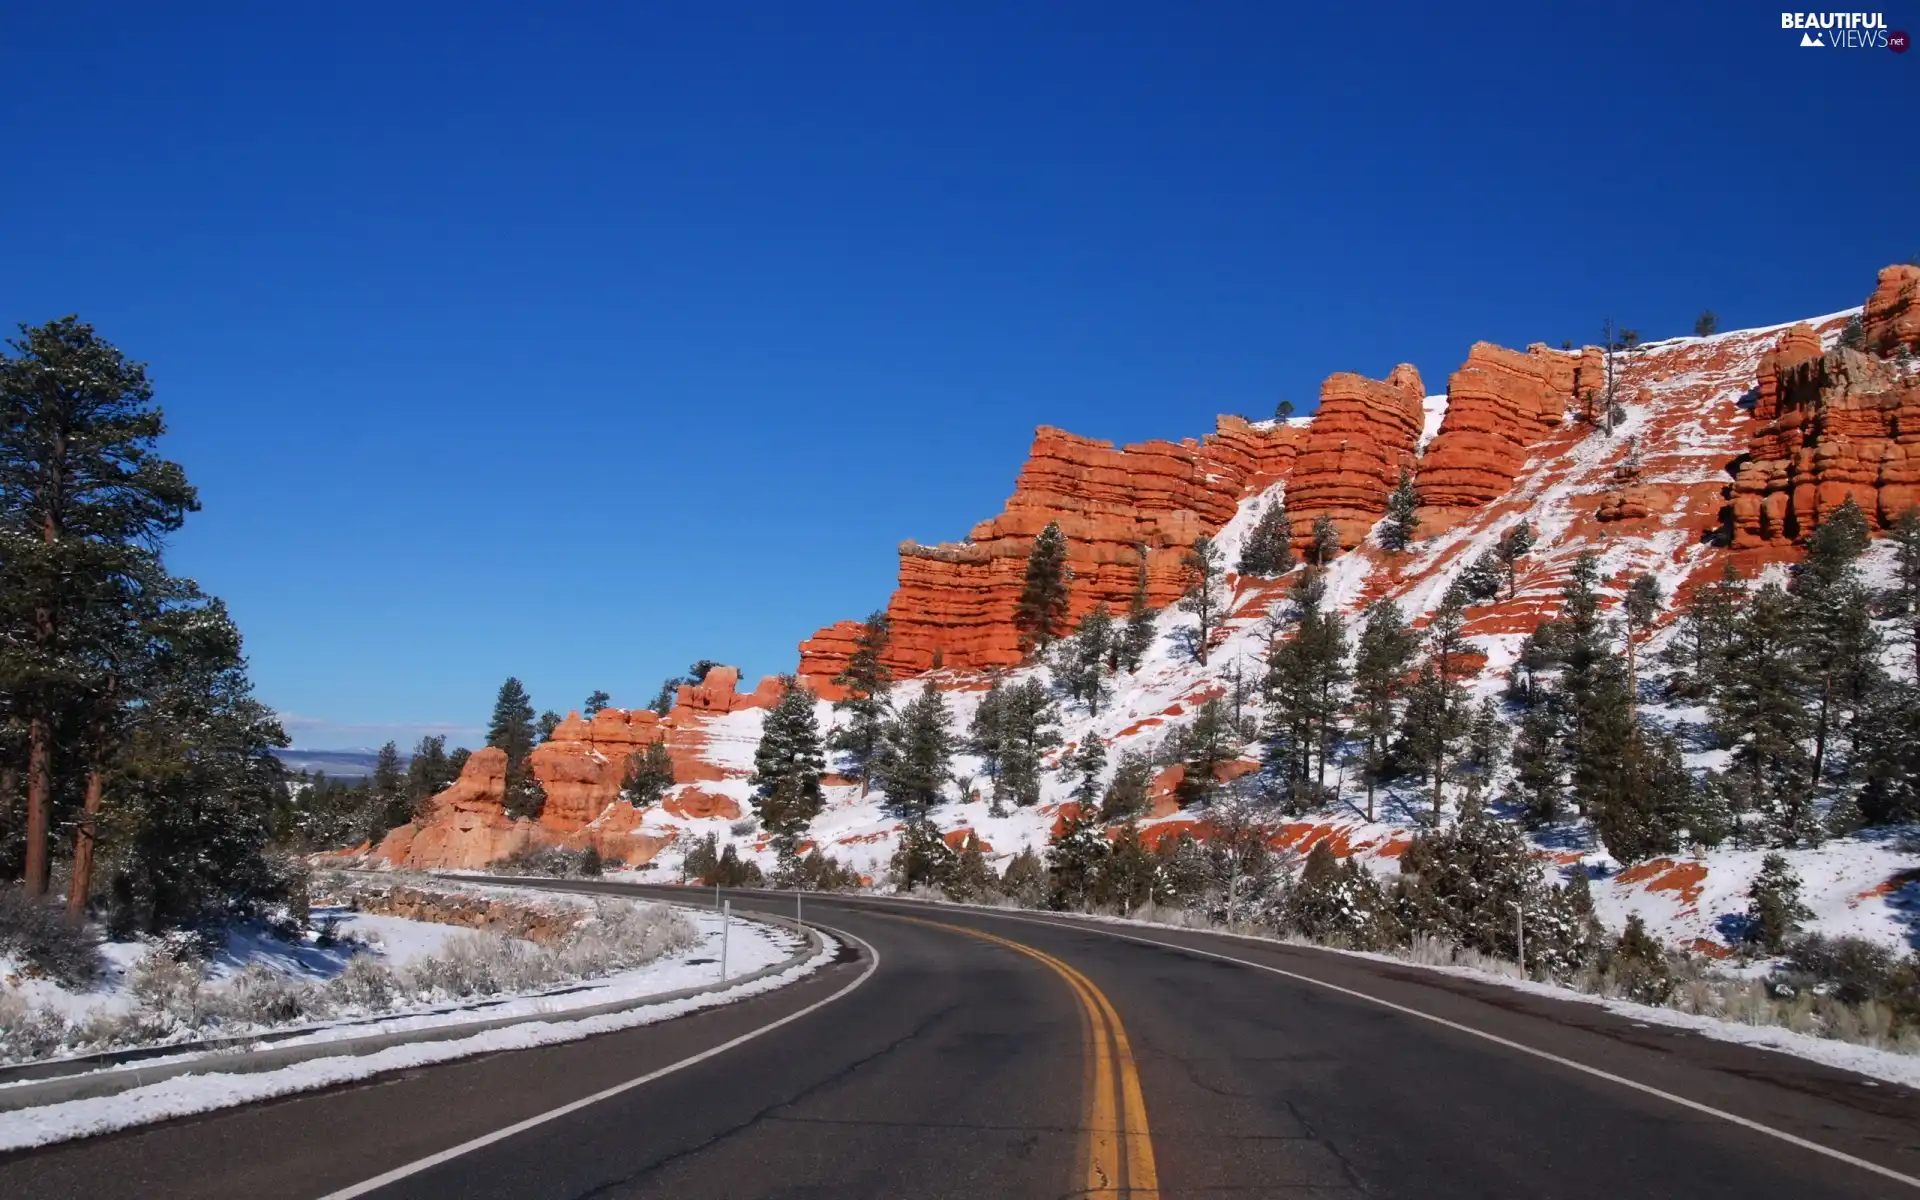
488, 1139
1648, 1089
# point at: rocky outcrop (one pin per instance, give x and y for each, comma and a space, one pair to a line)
1633, 503
581, 767
954, 606
1892, 314
1829, 427
1499, 404
1363, 434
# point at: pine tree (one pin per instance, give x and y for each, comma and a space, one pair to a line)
1086, 764
1083, 668
389, 786
1306, 686
1537, 765
1853, 335
1650, 808
1888, 756
1025, 880
1028, 729
1774, 910
1639, 611
1041, 614
972, 878
1487, 741
1905, 597
1129, 874
1402, 521
648, 775
1759, 705
1210, 743
544, 726
84, 503
923, 858
1513, 546
1269, 548
918, 758
788, 763
1706, 324
1203, 597
1838, 644
866, 680
1483, 579
1128, 794
512, 727
1435, 719
1323, 546
1381, 664
595, 703
1131, 646
1074, 860
1283, 411
1704, 630
986, 735
429, 773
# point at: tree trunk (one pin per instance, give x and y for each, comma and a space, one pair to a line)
1633, 679
39, 804
85, 835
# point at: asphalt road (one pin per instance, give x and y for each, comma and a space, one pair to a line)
1057, 1058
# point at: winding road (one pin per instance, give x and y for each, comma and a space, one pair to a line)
965, 1053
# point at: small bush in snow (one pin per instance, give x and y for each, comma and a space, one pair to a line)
42, 939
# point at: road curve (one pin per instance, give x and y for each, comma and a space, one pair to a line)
969, 1064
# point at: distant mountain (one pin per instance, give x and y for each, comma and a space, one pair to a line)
339, 764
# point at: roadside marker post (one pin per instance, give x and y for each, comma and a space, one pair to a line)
726, 921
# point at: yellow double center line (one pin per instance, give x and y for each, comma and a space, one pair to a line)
1116, 1143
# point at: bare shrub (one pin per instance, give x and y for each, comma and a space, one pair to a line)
42, 939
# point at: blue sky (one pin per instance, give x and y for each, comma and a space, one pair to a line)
579, 345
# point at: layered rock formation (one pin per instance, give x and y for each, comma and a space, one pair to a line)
955, 603
1892, 314
1363, 434
1829, 427
581, 768
1500, 403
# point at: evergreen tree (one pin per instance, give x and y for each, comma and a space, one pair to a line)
1537, 765
1774, 911
543, 727
1209, 744
1269, 548
1483, 579
1706, 324
918, 758
986, 734
1306, 689
648, 775
1462, 884
1704, 630
429, 773
1759, 705
1904, 599
972, 879
1381, 665
1028, 728
1025, 880
1323, 545
1074, 861
84, 502
1435, 720
1838, 644
198, 784
1402, 521
1203, 597
1338, 903
788, 763
595, 703
1131, 646
1128, 876
1639, 611
1650, 809
1487, 740
923, 858
1086, 764
866, 681
1128, 794
1083, 667
664, 699
1513, 546
393, 806
512, 729
1888, 754
1853, 335
1041, 614
1283, 411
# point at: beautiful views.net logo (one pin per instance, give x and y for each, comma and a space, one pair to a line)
1845, 31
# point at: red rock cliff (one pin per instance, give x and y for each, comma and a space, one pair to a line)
955, 601
1364, 432
1499, 404
1892, 314
1827, 427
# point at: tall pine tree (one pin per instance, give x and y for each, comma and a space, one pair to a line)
1381, 665
1269, 547
788, 763
1402, 522
1041, 614
919, 753
1204, 598
866, 680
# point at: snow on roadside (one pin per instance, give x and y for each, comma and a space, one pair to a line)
189, 1094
